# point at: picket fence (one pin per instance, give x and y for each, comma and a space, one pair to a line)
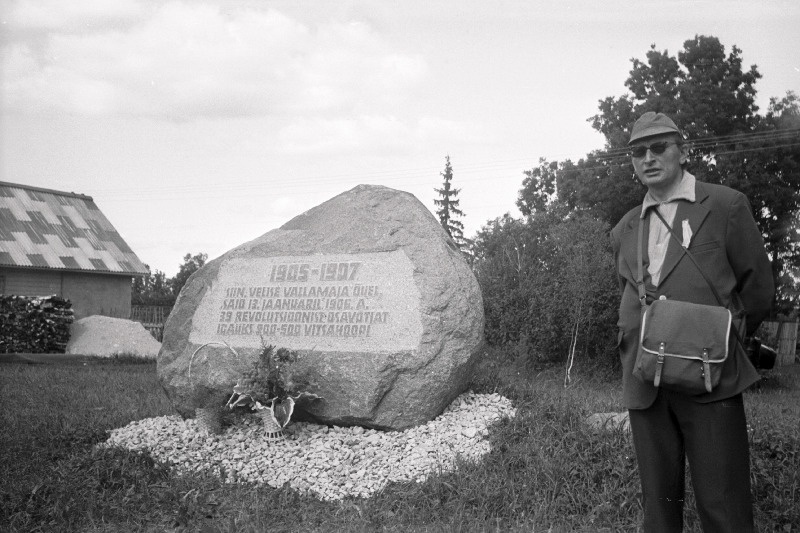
152, 317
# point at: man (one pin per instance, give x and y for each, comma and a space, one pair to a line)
669, 427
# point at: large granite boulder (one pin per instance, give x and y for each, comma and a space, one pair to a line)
378, 302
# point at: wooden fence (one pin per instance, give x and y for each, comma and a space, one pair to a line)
782, 336
152, 318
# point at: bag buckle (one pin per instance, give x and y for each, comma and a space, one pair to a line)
659, 363
706, 374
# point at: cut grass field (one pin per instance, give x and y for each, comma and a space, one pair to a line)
547, 472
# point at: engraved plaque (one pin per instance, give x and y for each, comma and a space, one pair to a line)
337, 302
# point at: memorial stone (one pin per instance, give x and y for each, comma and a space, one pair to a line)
376, 299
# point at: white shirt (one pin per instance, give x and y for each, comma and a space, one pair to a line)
659, 235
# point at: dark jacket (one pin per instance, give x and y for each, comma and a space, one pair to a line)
728, 246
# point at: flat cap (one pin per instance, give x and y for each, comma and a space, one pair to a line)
652, 123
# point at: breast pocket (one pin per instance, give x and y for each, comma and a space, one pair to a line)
703, 247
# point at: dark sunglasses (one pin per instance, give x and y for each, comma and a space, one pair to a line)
657, 148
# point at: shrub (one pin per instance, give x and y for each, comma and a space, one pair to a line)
548, 285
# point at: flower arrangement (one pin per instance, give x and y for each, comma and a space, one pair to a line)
270, 385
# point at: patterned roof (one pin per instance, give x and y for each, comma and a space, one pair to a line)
42, 228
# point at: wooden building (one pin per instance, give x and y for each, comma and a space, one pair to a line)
54, 242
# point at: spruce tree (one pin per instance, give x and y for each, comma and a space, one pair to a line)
448, 211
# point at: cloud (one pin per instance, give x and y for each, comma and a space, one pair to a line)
182, 61
375, 134
337, 135
67, 17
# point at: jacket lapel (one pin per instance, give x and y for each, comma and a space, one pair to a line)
628, 244
695, 213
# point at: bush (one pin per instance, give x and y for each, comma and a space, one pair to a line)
548, 285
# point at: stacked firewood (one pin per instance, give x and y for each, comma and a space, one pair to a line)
34, 324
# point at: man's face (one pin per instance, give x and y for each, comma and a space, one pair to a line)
660, 172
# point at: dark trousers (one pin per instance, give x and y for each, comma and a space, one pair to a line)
713, 437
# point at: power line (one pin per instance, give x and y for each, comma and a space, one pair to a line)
623, 161
704, 142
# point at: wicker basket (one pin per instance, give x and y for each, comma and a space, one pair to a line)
209, 419
273, 430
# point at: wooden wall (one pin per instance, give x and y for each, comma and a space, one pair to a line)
90, 293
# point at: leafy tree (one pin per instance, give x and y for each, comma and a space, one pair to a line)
765, 165
712, 97
151, 289
448, 210
707, 93
191, 264
538, 187
156, 289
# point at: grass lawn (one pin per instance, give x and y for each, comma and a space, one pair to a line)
547, 470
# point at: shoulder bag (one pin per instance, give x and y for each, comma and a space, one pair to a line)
682, 345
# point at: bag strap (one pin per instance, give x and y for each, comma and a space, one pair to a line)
640, 268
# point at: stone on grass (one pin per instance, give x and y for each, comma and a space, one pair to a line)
369, 290
105, 336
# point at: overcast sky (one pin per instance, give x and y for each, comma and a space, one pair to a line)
200, 125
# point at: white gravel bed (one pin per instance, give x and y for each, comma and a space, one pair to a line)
329, 463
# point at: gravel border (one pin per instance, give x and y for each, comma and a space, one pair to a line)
330, 463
